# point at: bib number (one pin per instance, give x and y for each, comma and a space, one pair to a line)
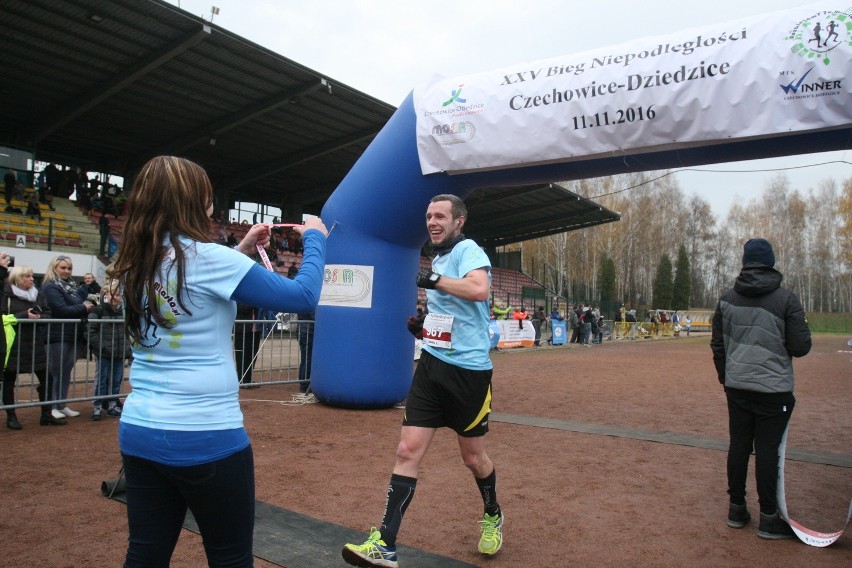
438, 330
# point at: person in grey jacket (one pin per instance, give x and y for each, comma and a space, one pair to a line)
758, 327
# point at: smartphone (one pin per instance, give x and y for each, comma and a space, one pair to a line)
36, 310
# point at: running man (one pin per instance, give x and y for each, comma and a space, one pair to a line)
451, 386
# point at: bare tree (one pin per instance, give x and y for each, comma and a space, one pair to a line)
810, 230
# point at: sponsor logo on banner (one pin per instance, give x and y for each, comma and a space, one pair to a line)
455, 97
454, 132
815, 37
347, 285
799, 89
449, 130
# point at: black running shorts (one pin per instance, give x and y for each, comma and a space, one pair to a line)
444, 395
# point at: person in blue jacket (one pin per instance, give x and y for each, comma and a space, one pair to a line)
181, 434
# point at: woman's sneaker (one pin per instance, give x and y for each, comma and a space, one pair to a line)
96, 414
374, 552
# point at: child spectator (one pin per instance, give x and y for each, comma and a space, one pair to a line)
520, 315
111, 346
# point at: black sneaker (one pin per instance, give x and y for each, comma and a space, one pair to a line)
738, 516
773, 527
115, 412
96, 415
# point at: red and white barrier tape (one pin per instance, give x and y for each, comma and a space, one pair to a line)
806, 535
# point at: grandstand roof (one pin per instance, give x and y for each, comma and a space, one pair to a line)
107, 84
503, 215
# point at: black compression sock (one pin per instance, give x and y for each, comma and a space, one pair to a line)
400, 493
488, 490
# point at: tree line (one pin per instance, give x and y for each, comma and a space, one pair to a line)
670, 249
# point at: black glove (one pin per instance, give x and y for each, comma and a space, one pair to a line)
415, 326
427, 279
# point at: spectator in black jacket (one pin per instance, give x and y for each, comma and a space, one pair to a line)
10, 180
587, 318
758, 327
574, 313
89, 289
5, 259
27, 354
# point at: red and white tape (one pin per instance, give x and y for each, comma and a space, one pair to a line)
806, 535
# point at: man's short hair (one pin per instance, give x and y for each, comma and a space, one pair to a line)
458, 207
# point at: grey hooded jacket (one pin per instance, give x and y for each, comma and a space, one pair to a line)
758, 327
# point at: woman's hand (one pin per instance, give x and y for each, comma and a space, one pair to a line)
257, 235
32, 315
312, 222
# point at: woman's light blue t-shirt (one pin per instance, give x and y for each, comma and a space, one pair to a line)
184, 379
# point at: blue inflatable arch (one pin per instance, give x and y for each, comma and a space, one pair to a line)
363, 357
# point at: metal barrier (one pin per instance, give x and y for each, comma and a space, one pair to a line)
646, 330
275, 360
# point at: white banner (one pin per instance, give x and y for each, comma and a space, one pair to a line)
513, 335
771, 75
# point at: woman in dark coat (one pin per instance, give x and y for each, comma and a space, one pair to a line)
62, 339
28, 353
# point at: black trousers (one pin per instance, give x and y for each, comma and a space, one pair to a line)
10, 377
575, 335
760, 426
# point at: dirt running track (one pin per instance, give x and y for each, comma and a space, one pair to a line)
571, 498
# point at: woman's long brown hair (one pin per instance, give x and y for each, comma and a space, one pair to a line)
169, 196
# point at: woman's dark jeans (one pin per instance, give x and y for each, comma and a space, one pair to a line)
220, 495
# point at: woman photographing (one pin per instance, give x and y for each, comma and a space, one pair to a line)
181, 432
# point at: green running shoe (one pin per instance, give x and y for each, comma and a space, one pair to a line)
374, 552
492, 534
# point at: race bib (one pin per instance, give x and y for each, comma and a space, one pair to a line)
438, 330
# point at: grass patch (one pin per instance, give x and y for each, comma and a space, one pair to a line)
823, 322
